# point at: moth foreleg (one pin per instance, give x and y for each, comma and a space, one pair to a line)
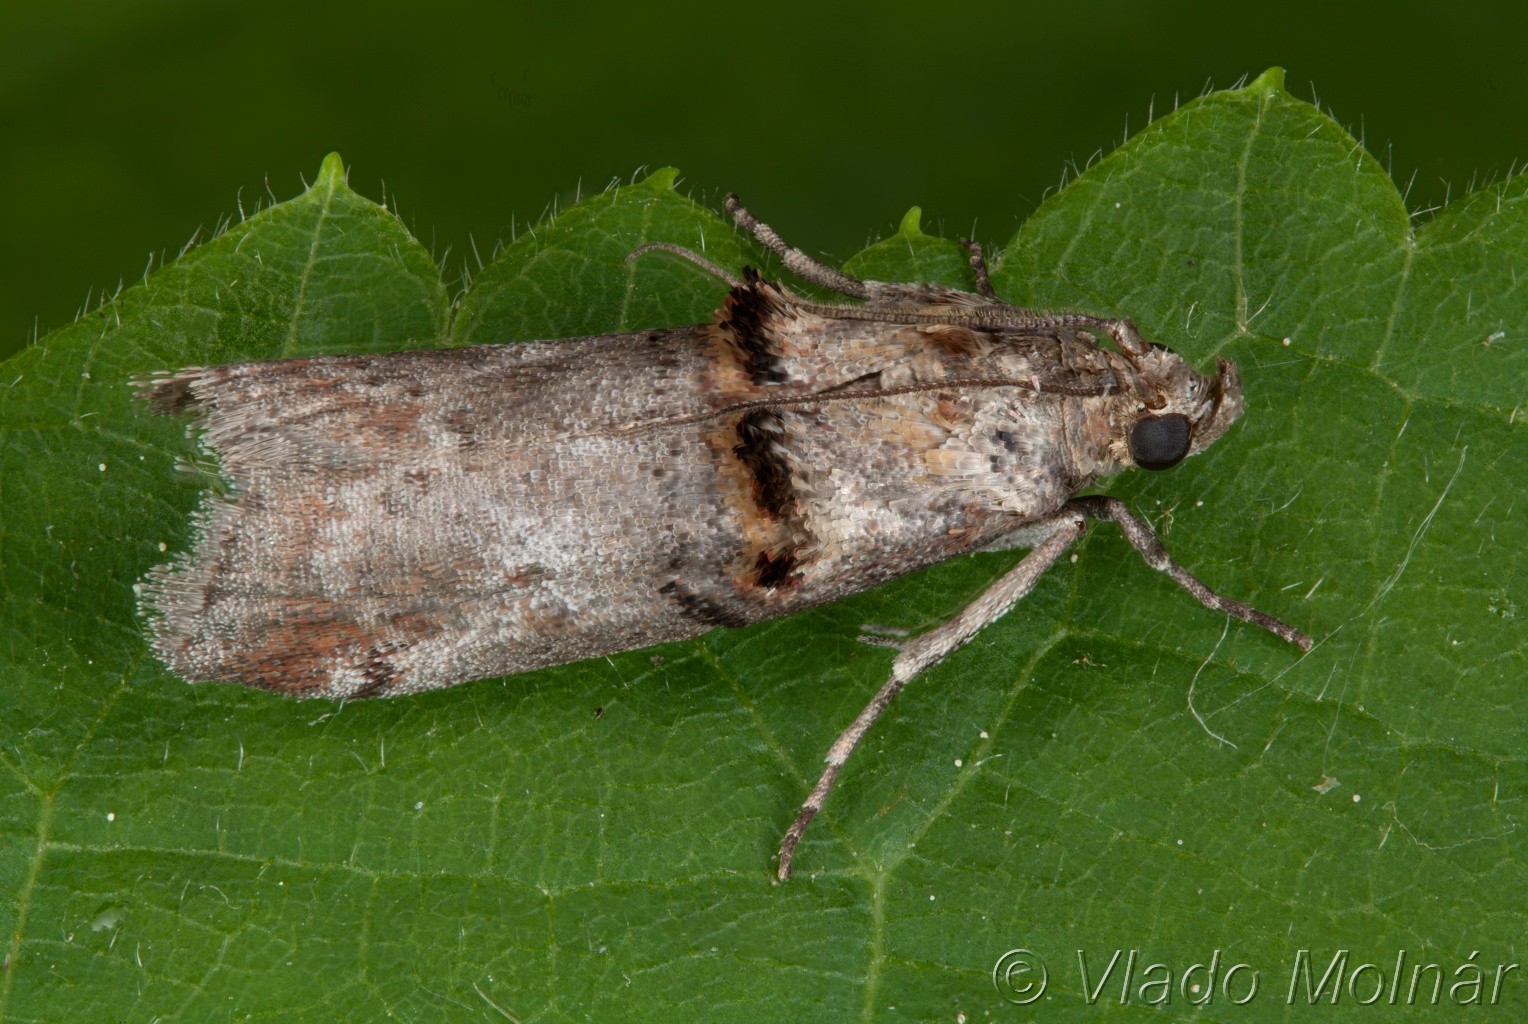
928, 650
1144, 540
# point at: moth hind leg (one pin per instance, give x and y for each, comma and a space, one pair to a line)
689, 255
978, 260
922, 296
876, 293
796, 261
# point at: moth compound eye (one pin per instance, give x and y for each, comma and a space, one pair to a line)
1159, 442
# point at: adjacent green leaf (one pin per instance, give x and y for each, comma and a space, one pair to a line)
1109, 768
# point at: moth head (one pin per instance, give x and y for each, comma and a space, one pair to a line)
1179, 412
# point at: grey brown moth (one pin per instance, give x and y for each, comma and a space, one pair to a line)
409, 521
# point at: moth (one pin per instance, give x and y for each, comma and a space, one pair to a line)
403, 522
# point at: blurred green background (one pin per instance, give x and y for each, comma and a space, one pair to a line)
127, 127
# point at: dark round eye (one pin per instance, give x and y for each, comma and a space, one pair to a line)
1159, 442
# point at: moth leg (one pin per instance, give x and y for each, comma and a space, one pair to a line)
686, 254
1144, 540
1124, 334
876, 293
927, 650
979, 267
796, 261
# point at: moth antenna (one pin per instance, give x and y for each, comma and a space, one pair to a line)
1106, 385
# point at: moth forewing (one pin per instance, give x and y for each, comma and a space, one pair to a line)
408, 521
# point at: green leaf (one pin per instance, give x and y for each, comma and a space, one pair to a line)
1109, 767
